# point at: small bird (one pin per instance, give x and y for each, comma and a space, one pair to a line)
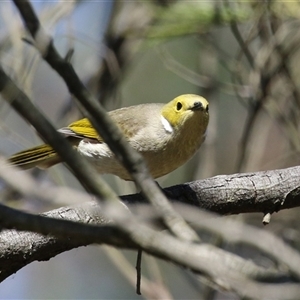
167, 135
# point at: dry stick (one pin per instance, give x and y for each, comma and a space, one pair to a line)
138, 271
111, 134
151, 289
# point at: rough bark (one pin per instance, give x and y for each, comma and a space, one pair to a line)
267, 191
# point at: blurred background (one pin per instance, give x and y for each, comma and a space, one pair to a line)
242, 56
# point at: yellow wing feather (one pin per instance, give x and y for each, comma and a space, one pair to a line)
84, 128
35, 156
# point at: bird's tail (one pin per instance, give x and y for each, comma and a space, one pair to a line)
41, 156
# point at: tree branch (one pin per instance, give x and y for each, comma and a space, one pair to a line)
245, 192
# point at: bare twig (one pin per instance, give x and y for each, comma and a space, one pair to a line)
138, 271
150, 289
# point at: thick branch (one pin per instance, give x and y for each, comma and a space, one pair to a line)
266, 191
225, 194
29, 247
19, 248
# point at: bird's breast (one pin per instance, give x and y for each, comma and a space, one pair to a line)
163, 150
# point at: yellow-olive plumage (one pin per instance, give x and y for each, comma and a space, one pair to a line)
167, 135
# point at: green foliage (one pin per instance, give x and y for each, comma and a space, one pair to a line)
184, 18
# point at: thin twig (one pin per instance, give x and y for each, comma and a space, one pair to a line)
138, 271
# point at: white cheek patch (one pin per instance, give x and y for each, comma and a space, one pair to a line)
166, 124
96, 150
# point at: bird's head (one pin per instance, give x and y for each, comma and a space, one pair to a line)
186, 109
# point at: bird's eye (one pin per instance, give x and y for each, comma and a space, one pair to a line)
178, 105
207, 109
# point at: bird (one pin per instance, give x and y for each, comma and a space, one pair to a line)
166, 135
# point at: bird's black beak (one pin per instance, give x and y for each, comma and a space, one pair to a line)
199, 106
